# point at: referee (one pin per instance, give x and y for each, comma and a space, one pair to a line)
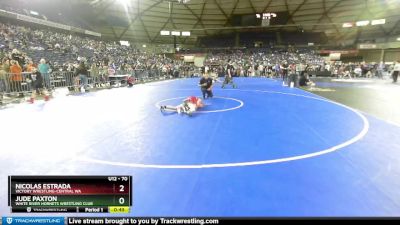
229, 75
206, 84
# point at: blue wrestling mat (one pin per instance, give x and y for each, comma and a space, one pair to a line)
259, 150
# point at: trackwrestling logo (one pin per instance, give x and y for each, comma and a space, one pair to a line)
33, 220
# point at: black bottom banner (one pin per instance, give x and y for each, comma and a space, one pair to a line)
212, 221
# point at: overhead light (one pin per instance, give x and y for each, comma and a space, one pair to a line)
347, 25
398, 39
94, 2
34, 13
378, 22
362, 23
144, 46
123, 2
185, 33
176, 33
165, 32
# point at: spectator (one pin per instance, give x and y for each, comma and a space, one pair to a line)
44, 69
16, 77
30, 67
82, 73
358, 71
379, 70
3, 76
396, 71
16, 55
94, 73
6, 65
36, 80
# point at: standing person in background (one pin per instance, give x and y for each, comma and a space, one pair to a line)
277, 70
229, 75
206, 69
44, 69
3, 75
202, 70
261, 71
16, 78
206, 84
285, 70
347, 71
30, 67
94, 73
36, 80
358, 71
6, 65
83, 73
396, 71
379, 70
292, 77
104, 75
18, 56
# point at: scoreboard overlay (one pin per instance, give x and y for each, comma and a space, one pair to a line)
75, 194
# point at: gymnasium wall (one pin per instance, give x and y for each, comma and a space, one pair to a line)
390, 55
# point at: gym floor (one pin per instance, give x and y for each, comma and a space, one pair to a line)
376, 97
259, 150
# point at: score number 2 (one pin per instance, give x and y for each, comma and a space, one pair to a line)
121, 200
